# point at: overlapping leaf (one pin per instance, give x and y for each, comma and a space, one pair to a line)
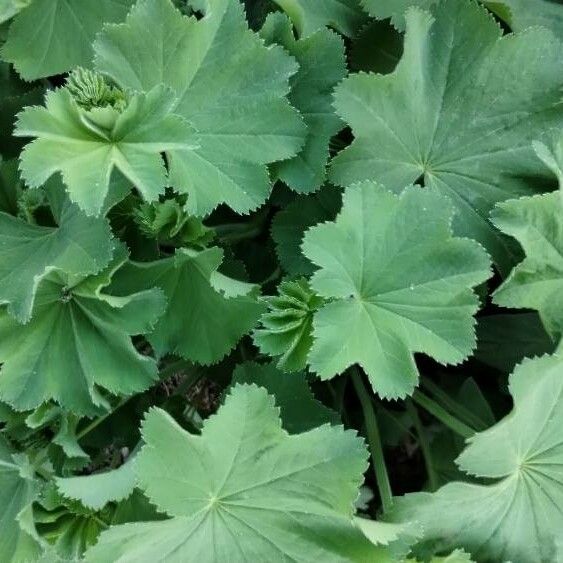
537, 282
399, 282
308, 16
229, 86
243, 490
80, 245
518, 518
299, 410
459, 111
76, 344
51, 37
85, 146
18, 490
322, 65
207, 312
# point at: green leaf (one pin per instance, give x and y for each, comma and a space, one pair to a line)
289, 226
286, 329
85, 146
80, 245
230, 87
77, 343
459, 112
520, 14
98, 489
537, 282
394, 9
207, 312
48, 38
14, 95
63, 425
308, 16
400, 283
244, 490
322, 65
299, 410
18, 490
518, 517
9, 8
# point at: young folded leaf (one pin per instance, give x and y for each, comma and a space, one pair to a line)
322, 64
77, 342
80, 245
244, 490
519, 517
286, 329
399, 283
229, 86
537, 282
460, 110
85, 144
207, 313
48, 38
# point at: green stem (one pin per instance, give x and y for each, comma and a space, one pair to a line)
374, 439
424, 445
462, 412
442, 414
97, 421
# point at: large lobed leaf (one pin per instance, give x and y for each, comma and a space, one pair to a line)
51, 37
244, 490
229, 86
77, 343
459, 112
519, 517
207, 312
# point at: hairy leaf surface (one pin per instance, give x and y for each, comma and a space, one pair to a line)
460, 111
244, 490
399, 282
518, 518
229, 86
86, 146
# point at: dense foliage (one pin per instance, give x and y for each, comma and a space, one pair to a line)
281, 280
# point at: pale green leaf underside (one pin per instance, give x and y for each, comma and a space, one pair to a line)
229, 86
67, 140
519, 517
537, 282
458, 111
207, 312
51, 37
77, 342
401, 284
96, 490
80, 245
243, 490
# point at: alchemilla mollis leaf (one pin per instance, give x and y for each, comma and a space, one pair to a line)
517, 517
397, 283
78, 344
460, 111
243, 490
228, 85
